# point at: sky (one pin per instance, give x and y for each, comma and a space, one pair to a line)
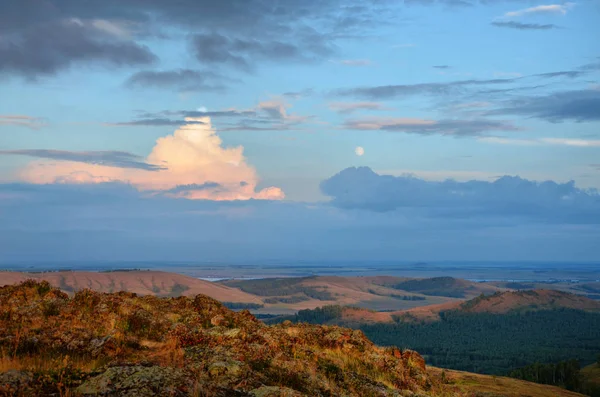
324, 130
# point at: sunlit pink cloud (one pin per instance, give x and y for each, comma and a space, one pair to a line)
197, 166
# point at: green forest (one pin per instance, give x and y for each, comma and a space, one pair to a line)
482, 342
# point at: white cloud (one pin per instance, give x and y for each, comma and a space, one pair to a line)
197, 166
541, 9
355, 62
542, 141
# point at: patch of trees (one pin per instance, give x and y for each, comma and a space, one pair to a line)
565, 374
242, 305
276, 287
496, 343
287, 299
436, 286
398, 296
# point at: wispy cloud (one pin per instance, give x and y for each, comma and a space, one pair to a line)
105, 158
184, 80
542, 141
560, 9
455, 128
350, 107
524, 26
578, 105
354, 62
20, 120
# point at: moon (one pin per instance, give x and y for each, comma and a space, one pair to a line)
359, 151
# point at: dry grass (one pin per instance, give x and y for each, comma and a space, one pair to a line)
45, 364
501, 386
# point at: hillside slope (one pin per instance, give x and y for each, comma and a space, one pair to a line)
121, 344
505, 302
140, 282
288, 295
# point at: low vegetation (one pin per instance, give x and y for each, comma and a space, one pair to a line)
122, 344
280, 288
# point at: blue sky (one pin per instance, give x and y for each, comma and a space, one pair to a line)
263, 100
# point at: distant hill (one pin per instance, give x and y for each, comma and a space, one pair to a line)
505, 302
288, 295
445, 286
488, 334
138, 281
121, 344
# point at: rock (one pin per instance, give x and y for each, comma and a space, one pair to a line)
275, 391
15, 382
138, 381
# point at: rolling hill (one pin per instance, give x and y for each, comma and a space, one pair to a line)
140, 282
121, 344
488, 334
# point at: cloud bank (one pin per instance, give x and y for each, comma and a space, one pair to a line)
192, 163
361, 188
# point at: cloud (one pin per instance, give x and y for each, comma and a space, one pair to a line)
216, 34
361, 188
48, 48
441, 67
578, 105
542, 141
276, 109
351, 107
20, 120
241, 53
298, 94
522, 220
103, 158
271, 115
430, 127
404, 90
524, 26
567, 73
355, 62
184, 80
193, 156
156, 122
540, 10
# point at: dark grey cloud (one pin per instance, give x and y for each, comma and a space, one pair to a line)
107, 158
201, 113
268, 116
524, 26
567, 73
579, 106
175, 118
457, 128
404, 90
52, 223
156, 122
361, 188
193, 187
185, 80
242, 53
50, 47
238, 33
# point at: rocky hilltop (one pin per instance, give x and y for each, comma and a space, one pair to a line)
122, 344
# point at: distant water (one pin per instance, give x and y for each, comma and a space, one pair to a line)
213, 271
